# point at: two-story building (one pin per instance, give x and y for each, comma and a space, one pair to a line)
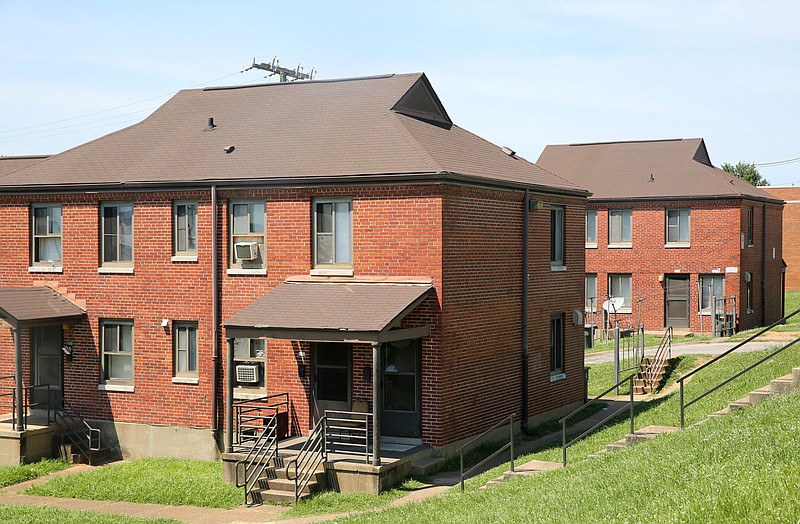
339, 242
672, 237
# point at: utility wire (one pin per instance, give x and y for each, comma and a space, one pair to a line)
778, 162
111, 109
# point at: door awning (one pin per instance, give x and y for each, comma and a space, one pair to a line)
37, 306
332, 312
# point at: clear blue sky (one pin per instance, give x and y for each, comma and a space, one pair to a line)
521, 74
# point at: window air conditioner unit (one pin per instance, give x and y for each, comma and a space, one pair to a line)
247, 374
246, 250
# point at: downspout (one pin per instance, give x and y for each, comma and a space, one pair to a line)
525, 278
18, 378
214, 313
763, 262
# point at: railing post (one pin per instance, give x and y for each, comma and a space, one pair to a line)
564, 441
682, 421
616, 357
630, 385
461, 461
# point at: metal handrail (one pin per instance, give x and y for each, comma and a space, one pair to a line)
510, 420
682, 379
660, 357
74, 427
563, 421
349, 432
257, 460
27, 404
313, 453
253, 414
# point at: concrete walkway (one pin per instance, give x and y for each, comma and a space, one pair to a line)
711, 347
439, 484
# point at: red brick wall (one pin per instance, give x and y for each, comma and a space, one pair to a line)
471, 361
791, 232
715, 240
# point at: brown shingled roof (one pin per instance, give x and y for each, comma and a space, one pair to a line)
347, 309
36, 305
300, 132
9, 164
654, 169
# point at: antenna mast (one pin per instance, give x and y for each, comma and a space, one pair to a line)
284, 74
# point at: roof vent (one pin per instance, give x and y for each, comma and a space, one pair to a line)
508, 151
211, 125
229, 149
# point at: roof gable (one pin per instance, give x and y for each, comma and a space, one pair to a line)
421, 101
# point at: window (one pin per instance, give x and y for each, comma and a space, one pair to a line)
117, 347
249, 348
678, 226
591, 228
46, 234
185, 334
620, 286
711, 287
248, 243
590, 292
184, 226
117, 233
333, 232
619, 227
749, 227
557, 236
557, 344
748, 283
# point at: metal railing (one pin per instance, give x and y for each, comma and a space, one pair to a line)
349, 432
313, 453
257, 460
9, 392
658, 361
73, 426
563, 421
508, 420
628, 350
682, 379
252, 415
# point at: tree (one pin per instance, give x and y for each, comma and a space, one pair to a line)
747, 172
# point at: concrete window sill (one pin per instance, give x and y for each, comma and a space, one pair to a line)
184, 258
45, 269
185, 380
111, 270
558, 268
321, 272
624, 245
557, 377
240, 271
591, 245
677, 245
116, 387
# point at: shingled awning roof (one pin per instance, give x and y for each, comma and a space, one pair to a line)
37, 306
338, 312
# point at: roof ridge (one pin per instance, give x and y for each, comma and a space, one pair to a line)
306, 82
628, 142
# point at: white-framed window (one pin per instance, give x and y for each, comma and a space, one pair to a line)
557, 236
619, 227
333, 232
248, 234
46, 228
619, 285
678, 221
117, 233
750, 227
591, 228
590, 293
711, 287
249, 348
117, 344
557, 344
185, 349
184, 226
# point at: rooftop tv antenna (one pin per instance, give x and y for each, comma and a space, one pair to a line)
283, 73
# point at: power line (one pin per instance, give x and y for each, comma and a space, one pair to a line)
778, 163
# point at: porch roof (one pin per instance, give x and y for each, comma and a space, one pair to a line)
332, 311
37, 306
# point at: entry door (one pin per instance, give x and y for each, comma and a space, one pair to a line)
677, 301
331, 377
47, 361
401, 408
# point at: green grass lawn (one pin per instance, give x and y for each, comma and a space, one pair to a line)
601, 376
170, 482
15, 474
741, 468
37, 515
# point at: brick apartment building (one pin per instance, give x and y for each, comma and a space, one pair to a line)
791, 231
669, 234
315, 234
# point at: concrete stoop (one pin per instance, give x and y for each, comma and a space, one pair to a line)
641, 435
779, 386
530, 468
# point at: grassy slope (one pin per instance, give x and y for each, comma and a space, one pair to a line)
15, 474
37, 515
742, 468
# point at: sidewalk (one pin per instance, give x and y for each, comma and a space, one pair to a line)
439, 484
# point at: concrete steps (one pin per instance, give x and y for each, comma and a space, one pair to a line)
641, 435
779, 386
525, 470
640, 386
273, 485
